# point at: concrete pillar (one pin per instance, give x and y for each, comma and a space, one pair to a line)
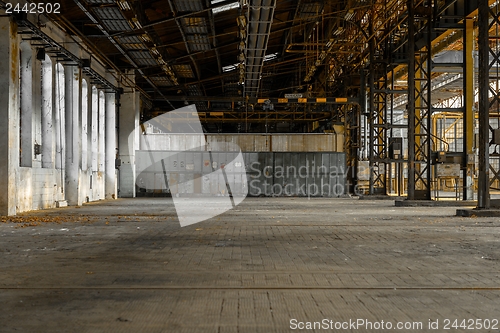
48, 130
59, 117
26, 105
84, 173
73, 87
128, 144
9, 111
101, 145
84, 124
93, 143
90, 107
110, 182
93, 123
37, 108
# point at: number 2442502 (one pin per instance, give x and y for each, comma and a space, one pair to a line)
33, 8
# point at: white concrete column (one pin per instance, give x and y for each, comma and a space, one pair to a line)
90, 108
110, 183
128, 144
9, 113
73, 149
48, 130
93, 145
59, 117
26, 105
102, 146
93, 123
85, 111
37, 108
84, 170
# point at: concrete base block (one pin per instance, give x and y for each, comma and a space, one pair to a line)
61, 203
379, 197
478, 212
433, 203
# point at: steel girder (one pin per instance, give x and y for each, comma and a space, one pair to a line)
489, 98
419, 101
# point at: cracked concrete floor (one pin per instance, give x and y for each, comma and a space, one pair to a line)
127, 266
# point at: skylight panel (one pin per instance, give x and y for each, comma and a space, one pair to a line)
225, 7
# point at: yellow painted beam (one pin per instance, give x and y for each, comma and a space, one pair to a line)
469, 87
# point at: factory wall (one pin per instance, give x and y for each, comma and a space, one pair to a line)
275, 164
328, 142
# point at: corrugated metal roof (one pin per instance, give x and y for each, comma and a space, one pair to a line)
100, 1
194, 90
143, 58
188, 5
161, 81
310, 10
131, 43
194, 25
183, 71
112, 18
198, 42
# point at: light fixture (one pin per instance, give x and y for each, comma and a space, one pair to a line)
146, 38
124, 5
242, 21
154, 50
349, 15
225, 7
135, 22
272, 56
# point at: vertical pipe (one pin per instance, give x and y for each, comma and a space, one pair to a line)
483, 199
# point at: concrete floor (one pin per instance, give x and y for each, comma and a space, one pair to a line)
127, 266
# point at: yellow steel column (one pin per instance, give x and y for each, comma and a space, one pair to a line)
437, 143
468, 107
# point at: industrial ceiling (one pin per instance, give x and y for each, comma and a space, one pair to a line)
223, 55
219, 54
